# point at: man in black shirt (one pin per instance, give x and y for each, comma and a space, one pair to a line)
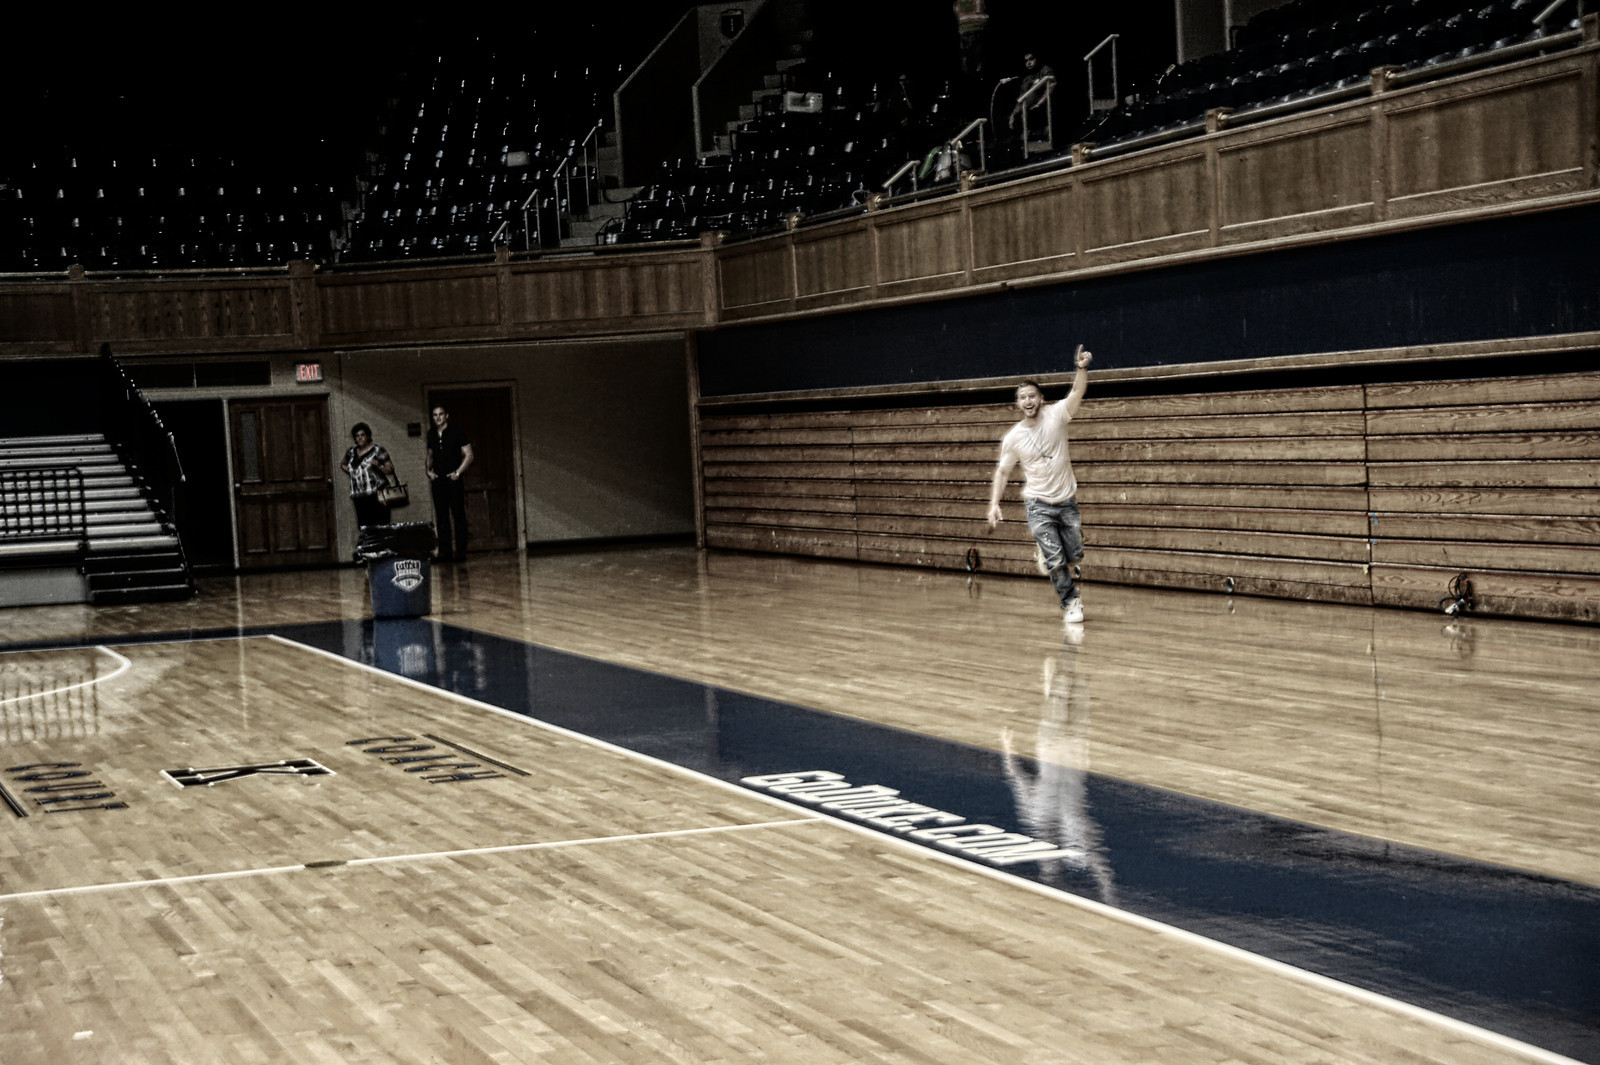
449, 455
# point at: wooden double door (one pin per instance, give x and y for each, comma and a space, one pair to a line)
283, 482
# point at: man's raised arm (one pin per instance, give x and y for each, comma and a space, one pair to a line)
1080, 381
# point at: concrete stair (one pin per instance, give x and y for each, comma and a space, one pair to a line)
131, 554
611, 197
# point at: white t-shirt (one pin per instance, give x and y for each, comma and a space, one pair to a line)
1042, 451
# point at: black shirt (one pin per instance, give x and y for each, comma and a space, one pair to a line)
446, 449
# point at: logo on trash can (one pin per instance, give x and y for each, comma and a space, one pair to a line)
407, 574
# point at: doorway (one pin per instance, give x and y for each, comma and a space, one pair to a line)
484, 413
199, 429
283, 490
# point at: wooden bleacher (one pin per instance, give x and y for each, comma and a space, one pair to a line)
1359, 493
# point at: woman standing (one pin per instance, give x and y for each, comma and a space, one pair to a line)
370, 469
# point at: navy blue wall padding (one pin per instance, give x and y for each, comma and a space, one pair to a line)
1527, 276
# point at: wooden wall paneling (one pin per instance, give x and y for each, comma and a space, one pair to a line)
1285, 474
1340, 499
776, 484
1493, 475
1300, 178
1300, 425
606, 294
39, 320
923, 488
1354, 494
1272, 545
756, 278
1250, 575
1193, 490
1239, 450
922, 248
1458, 555
1494, 478
1457, 499
1226, 519
449, 303
1504, 136
1201, 404
153, 316
833, 265
1017, 232
1162, 205
1527, 528
1445, 447
1544, 388
1574, 416
1533, 595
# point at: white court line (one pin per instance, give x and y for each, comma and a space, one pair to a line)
1326, 983
1305, 976
271, 870
120, 670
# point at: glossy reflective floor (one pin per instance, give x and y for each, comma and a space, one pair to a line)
1091, 824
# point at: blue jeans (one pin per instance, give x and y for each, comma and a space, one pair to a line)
1058, 531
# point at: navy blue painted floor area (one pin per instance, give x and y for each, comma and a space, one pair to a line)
1506, 950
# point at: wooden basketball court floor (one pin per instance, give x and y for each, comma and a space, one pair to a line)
424, 876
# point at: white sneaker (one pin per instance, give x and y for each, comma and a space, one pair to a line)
1074, 612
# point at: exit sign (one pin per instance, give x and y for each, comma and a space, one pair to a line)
308, 371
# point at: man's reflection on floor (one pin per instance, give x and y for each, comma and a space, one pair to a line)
1050, 788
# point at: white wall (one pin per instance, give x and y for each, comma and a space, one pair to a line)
602, 428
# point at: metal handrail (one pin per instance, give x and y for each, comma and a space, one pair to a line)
1044, 84
47, 503
911, 165
590, 165
1540, 18
537, 237
1088, 64
955, 144
139, 436
556, 177
561, 179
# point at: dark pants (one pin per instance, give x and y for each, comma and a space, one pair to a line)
369, 511
450, 517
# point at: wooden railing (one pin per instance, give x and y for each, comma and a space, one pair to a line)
1505, 139
1512, 138
299, 308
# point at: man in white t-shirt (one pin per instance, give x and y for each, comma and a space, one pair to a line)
1039, 443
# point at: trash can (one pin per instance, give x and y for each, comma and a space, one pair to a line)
398, 571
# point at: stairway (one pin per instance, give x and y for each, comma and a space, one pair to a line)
587, 228
132, 555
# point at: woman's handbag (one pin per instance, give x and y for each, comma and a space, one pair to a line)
394, 495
